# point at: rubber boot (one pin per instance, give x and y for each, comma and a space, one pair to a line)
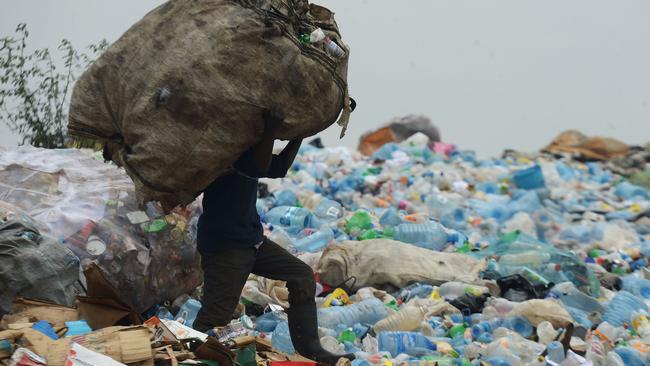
303, 327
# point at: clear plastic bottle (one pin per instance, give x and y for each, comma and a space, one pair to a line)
333, 49
368, 312
452, 290
329, 210
641, 324
407, 319
296, 218
545, 332
520, 325
621, 307
569, 295
430, 235
315, 242
486, 326
390, 218
410, 343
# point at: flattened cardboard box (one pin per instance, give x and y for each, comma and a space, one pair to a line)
123, 344
32, 309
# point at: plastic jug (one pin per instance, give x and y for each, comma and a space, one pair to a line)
285, 198
295, 218
329, 210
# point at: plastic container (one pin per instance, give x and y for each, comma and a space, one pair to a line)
410, 343
569, 295
188, 312
630, 356
315, 242
555, 352
390, 218
545, 332
629, 191
285, 198
292, 218
430, 235
486, 326
281, 339
531, 178
366, 312
329, 210
334, 49
520, 325
419, 290
407, 319
641, 324
637, 285
620, 309
453, 290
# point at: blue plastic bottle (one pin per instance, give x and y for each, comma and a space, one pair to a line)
329, 210
315, 242
555, 352
520, 325
188, 312
630, 356
281, 339
366, 312
390, 218
430, 235
486, 326
410, 343
637, 285
621, 307
293, 219
285, 198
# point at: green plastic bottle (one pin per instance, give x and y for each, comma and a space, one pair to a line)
361, 220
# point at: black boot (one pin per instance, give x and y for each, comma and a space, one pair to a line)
303, 327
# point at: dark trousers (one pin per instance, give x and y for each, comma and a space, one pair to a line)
226, 272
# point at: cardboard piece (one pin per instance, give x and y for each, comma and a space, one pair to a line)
213, 350
124, 344
30, 310
160, 332
182, 331
81, 356
102, 312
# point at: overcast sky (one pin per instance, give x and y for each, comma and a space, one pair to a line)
491, 74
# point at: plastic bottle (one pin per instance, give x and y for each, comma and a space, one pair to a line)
315, 242
528, 258
368, 312
285, 198
164, 313
520, 325
621, 307
569, 295
419, 290
629, 191
545, 332
407, 319
630, 356
637, 285
430, 235
294, 218
188, 312
452, 290
555, 352
329, 210
641, 324
360, 221
613, 359
333, 49
486, 326
390, 218
281, 339
410, 343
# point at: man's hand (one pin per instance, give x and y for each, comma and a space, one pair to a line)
273, 119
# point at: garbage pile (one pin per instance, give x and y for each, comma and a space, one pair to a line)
424, 254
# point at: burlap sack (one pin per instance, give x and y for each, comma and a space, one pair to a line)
181, 94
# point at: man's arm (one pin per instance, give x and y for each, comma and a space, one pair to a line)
281, 163
263, 151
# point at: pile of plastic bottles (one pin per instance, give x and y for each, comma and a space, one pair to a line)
553, 231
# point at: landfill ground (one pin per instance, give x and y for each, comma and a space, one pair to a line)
424, 254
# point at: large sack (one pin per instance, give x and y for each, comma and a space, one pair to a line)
380, 262
32, 264
90, 208
589, 148
181, 94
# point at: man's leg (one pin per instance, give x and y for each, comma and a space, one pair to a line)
274, 262
224, 275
